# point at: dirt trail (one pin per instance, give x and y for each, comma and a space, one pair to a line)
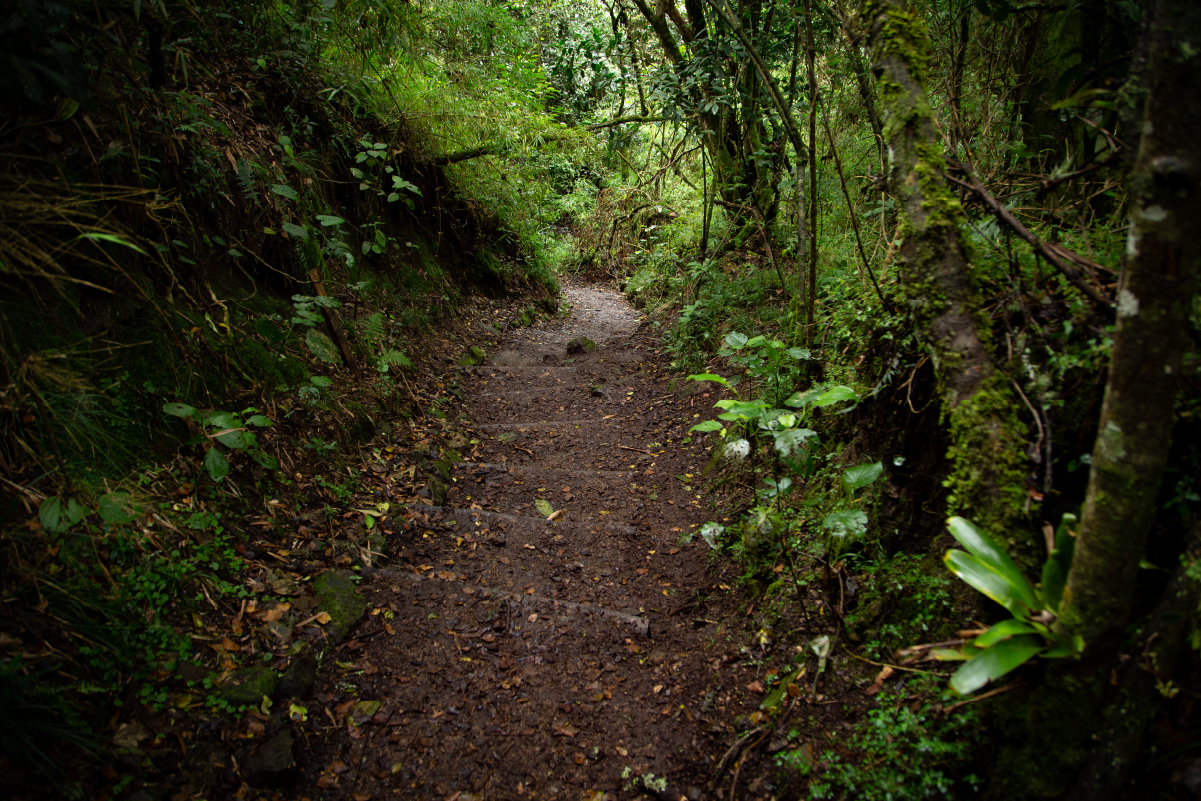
521, 657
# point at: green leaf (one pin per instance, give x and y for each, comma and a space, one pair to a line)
793, 438
741, 410
57, 515
845, 523
982, 546
544, 508
1004, 630
987, 580
116, 240
285, 191
116, 508
216, 465
179, 409
328, 220
835, 395
709, 377
755, 342
1055, 571
321, 346
862, 475
321, 381
708, 425
736, 341
799, 353
258, 420
995, 662
298, 231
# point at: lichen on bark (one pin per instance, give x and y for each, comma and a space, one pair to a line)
987, 450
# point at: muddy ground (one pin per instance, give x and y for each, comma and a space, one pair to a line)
506, 654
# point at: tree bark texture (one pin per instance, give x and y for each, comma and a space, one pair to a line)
986, 478
1154, 298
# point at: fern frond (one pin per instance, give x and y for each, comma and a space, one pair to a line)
247, 183
371, 328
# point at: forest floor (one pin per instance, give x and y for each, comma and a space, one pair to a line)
597, 651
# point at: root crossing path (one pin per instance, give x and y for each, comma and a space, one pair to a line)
525, 656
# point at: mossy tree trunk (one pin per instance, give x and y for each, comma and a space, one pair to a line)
987, 440
1081, 726
1156, 293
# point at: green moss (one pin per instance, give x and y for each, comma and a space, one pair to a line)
988, 461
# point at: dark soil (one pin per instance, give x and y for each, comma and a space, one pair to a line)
513, 656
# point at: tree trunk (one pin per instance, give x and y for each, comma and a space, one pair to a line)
987, 470
1070, 735
1156, 292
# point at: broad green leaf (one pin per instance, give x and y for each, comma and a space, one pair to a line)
222, 420
298, 231
787, 441
116, 508
284, 191
179, 409
995, 662
327, 220
862, 475
835, 395
216, 465
708, 425
987, 580
238, 440
984, 548
800, 400
741, 409
269, 462
321, 346
57, 515
258, 420
845, 523
1003, 631
708, 377
755, 342
736, 341
321, 381
544, 508
799, 353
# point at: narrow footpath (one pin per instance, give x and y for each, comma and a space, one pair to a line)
554, 629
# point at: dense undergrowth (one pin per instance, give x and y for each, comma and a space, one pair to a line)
212, 212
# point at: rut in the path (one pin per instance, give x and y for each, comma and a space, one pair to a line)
518, 663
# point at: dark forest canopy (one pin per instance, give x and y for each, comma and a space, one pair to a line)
938, 259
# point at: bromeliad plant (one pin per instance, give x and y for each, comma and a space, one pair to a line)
1029, 633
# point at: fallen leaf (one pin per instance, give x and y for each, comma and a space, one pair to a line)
622, 751
323, 618
565, 730
447, 575
533, 618
544, 508
578, 758
360, 796
531, 547
755, 687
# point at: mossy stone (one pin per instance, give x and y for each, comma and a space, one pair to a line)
437, 492
581, 345
477, 353
247, 686
301, 673
466, 361
338, 599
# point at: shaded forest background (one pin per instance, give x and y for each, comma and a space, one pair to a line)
938, 259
